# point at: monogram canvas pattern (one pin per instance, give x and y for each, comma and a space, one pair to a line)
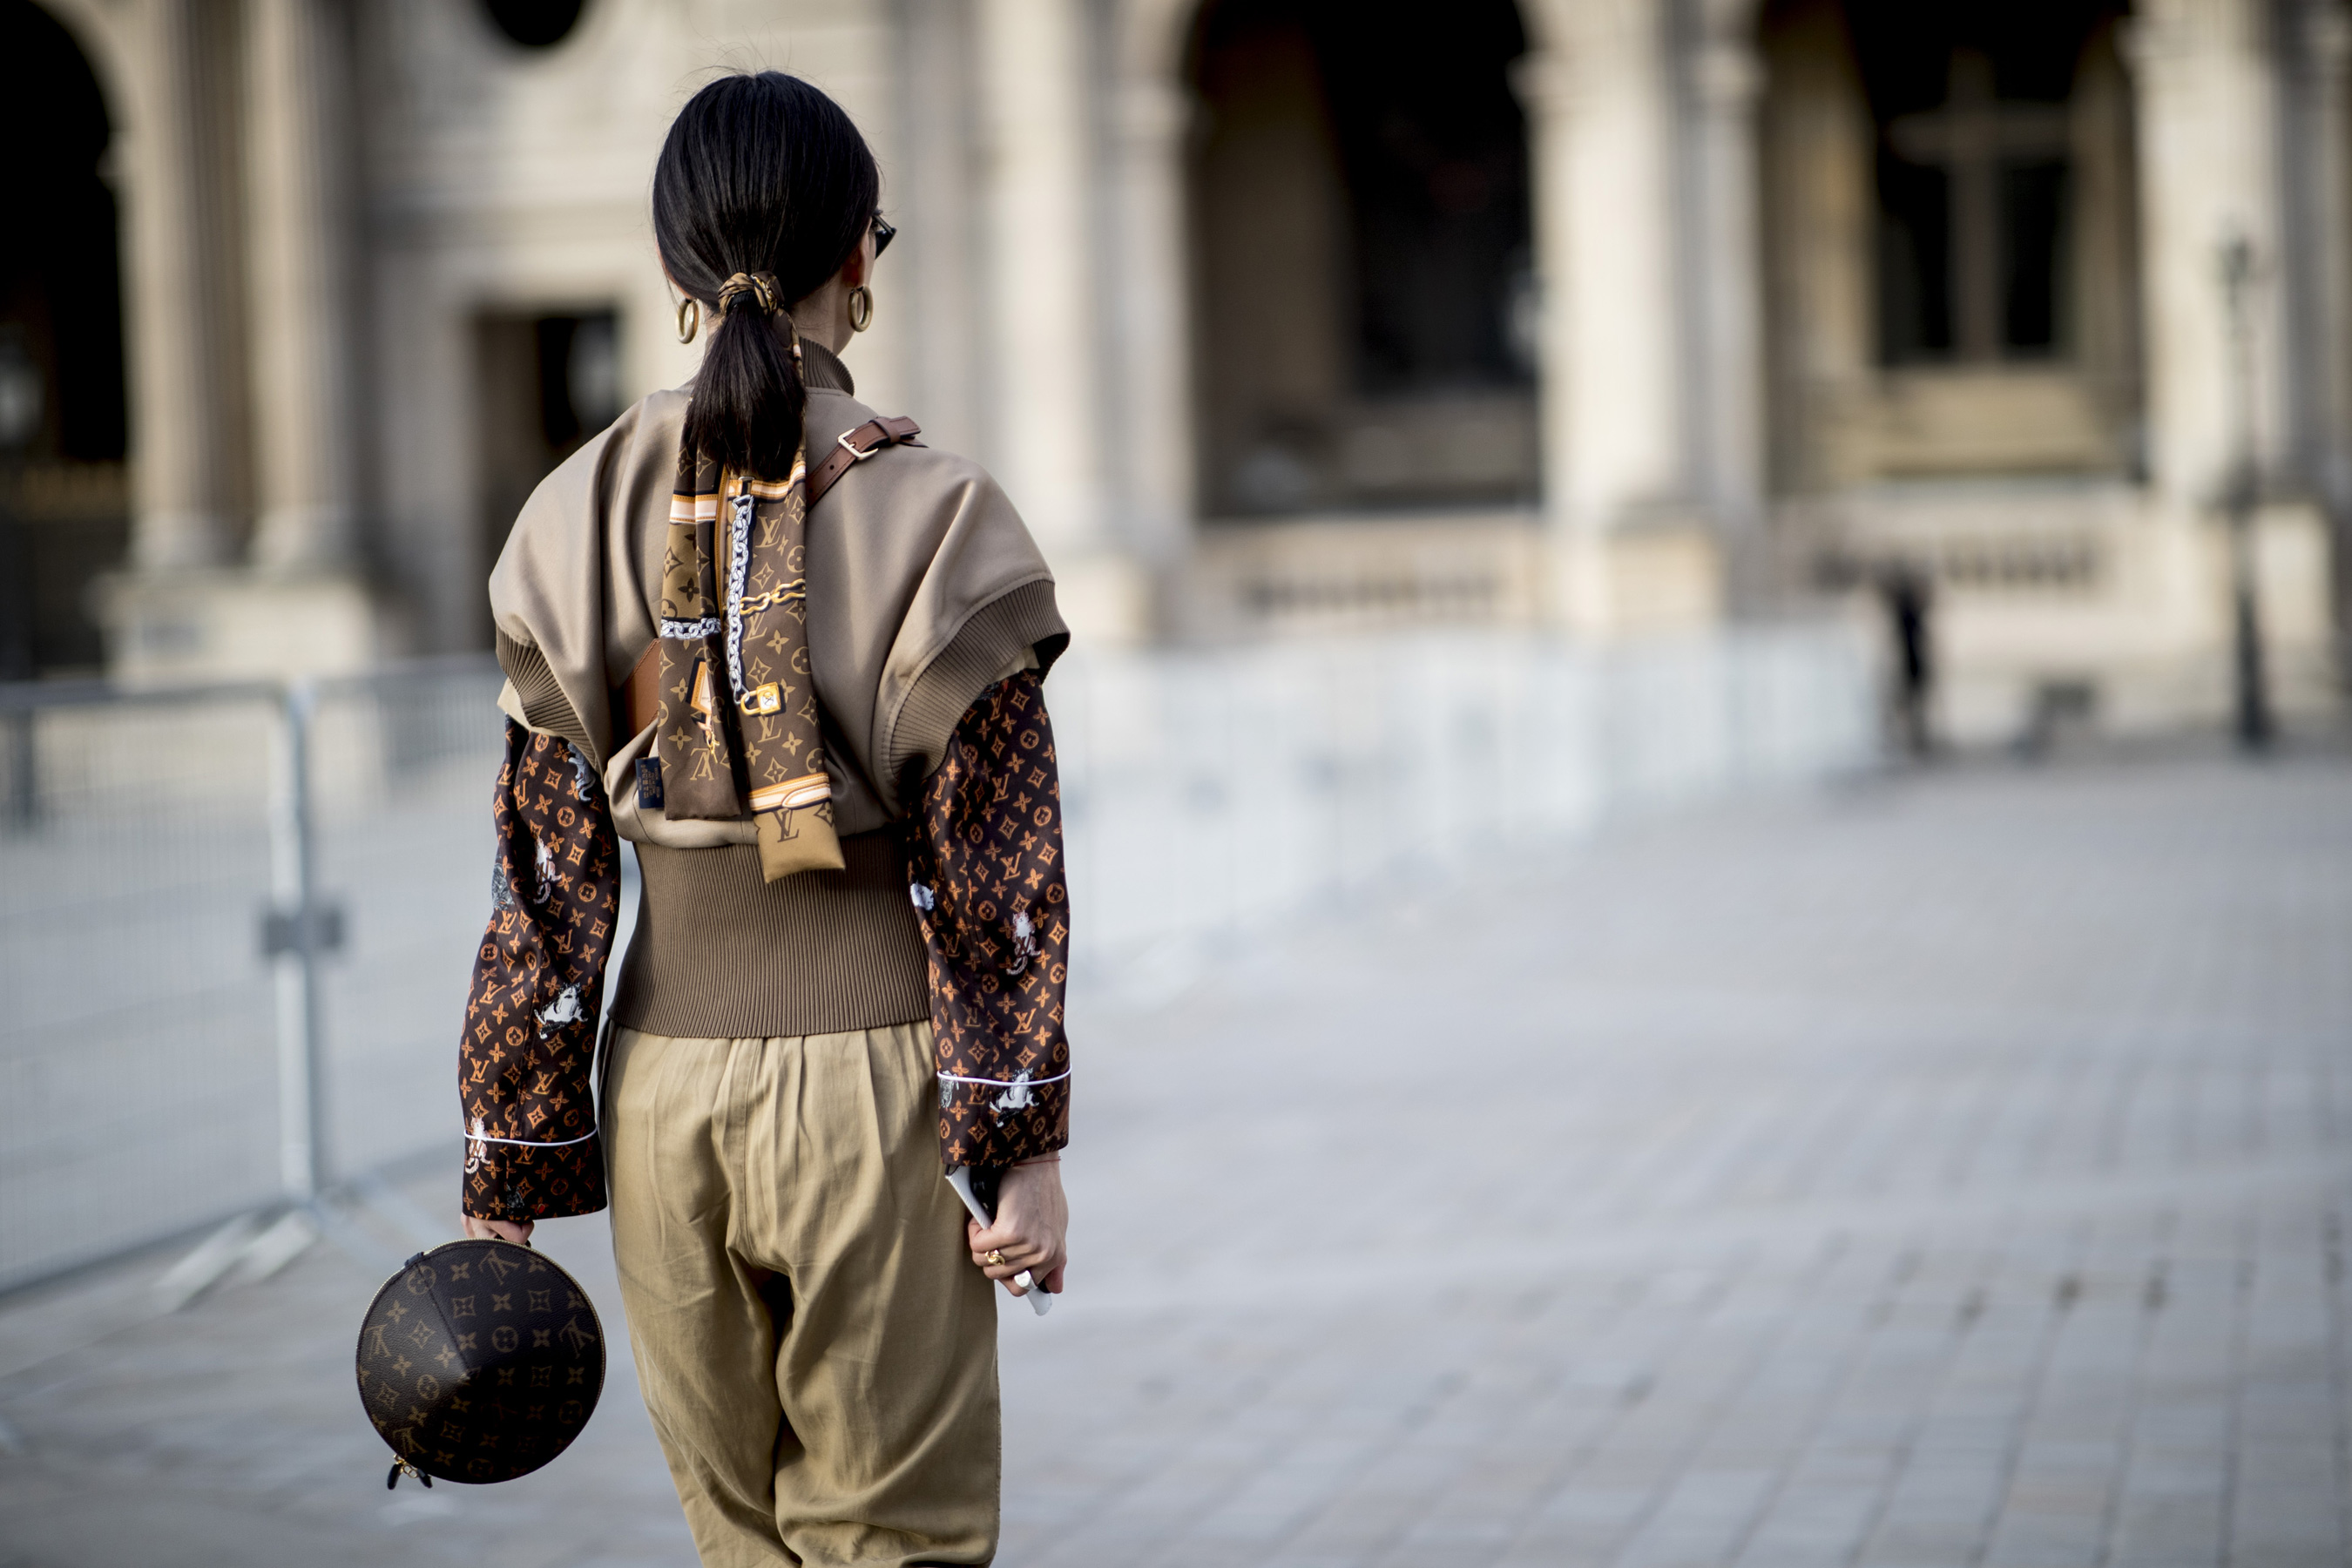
995, 904
528, 1047
740, 733
696, 765
481, 1361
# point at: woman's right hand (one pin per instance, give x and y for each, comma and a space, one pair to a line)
1032, 1220
515, 1230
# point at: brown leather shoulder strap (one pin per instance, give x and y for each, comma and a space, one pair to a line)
636, 701
854, 446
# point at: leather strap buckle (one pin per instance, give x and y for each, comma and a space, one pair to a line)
877, 432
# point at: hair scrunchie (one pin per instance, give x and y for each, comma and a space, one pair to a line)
761, 286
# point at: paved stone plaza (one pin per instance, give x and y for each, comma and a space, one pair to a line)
1947, 1169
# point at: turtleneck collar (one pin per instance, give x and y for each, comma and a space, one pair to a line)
821, 367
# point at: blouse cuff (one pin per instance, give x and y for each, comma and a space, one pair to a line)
534, 1180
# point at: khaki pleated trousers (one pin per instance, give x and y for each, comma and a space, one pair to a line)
816, 1350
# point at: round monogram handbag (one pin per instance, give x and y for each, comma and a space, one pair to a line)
479, 1361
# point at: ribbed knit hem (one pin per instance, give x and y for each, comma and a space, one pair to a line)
997, 632
544, 706
720, 953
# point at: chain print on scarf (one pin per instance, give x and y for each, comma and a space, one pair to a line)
528, 1054
741, 731
990, 890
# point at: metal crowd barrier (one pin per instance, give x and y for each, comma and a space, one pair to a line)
236, 926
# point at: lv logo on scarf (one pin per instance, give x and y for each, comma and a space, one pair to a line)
739, 733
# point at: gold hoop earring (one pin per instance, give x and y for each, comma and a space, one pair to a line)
861, 307
685, 332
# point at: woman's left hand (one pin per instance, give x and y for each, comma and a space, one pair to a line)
1032, 1220
514, 1230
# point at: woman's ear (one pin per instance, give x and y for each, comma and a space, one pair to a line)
854, 271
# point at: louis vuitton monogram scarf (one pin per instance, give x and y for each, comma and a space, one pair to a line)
740, 733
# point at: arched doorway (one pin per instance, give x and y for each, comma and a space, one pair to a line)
64, 511
1362, 259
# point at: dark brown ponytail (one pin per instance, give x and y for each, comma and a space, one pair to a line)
760, 175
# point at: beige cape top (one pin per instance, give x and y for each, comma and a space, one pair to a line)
924, 589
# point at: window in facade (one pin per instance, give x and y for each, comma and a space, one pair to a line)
1977, 155
1362, 257
547, 384
534, 24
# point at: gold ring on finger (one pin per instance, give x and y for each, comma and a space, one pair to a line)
995, 1259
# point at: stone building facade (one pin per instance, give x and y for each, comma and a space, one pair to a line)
1628, 318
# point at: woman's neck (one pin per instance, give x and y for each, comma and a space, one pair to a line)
824, 316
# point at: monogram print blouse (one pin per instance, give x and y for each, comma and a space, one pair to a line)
987, 879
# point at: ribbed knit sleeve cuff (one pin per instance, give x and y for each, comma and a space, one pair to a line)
976, 659
545, 709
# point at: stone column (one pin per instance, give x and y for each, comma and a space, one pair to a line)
1723, 81
181, 328
2208, 168
2210, 75
1630, 547
2324, 247
301, 171
931, 274
2316, 54
1154, 445
1045, 382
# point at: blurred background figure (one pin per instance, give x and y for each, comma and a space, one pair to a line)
1904, 588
